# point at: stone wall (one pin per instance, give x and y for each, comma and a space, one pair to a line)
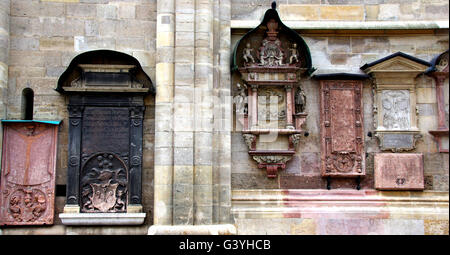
346, 53
343, 10
45, 35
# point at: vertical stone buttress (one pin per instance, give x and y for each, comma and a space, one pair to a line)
163, 180
198, 34
4, 57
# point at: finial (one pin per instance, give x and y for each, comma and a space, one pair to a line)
274, 5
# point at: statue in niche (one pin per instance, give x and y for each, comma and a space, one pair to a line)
241, 99
294, 54
247, 54
300, 100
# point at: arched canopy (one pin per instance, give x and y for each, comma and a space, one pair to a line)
102, 58
287, 35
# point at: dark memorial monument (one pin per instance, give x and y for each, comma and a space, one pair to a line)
106, 111
28, 172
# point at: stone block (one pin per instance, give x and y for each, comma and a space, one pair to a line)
106, 11
389, 12
435, 227
298, 12
403, 227
82, 43
366, 45
339, 45
399, 171
127, 11
256, 180
81, 10
310, 163
56, 43
372, 12
146, 11
305, 227
342, 12
426, 96
302, 182
23, 43
349, 226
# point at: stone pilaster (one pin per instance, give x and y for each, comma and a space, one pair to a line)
165, 43
201, 119
4, 59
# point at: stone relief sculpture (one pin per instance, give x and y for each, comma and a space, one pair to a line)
104, 184
300, 100
294, 54
247, 54
396, 109
28, 173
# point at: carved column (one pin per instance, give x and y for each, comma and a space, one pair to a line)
254, 105
289, 107
74, 153
136, 135
439, 71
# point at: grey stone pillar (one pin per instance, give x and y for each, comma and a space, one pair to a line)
4, 59
200, 180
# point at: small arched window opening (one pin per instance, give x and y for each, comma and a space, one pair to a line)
27, 104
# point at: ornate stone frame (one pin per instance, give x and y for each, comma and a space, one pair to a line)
95, 87
396, 74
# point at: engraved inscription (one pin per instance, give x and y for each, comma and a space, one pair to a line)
105, 129
398, 141
396, 109
398, 171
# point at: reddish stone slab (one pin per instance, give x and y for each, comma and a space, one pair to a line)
28, 173
395, 171
341, 128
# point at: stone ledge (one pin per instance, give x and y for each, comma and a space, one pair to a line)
340, 204
224, 229
317, 25
102, 218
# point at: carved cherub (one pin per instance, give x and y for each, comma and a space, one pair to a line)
300, 100
247, 54
294, 54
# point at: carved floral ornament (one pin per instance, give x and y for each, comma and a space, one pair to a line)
269, 98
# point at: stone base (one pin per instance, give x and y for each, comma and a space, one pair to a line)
102, 218
225, 229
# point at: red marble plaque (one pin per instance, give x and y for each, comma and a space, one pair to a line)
399, 171
28, 173
341, 128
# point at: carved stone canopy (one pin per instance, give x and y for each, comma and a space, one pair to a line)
105, 71
394, 89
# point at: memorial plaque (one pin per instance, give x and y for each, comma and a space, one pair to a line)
28, 173
341, 128
396, 141
398, 171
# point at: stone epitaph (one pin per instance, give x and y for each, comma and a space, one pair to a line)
106, 112
395, 171
394, 89
341, 126
271, 60
28, 172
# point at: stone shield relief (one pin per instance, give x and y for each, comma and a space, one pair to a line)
104, 184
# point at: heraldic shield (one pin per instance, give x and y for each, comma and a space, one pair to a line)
104, 184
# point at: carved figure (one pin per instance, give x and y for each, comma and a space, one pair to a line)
300, 101
294, 54
241, 99
271, 53
396, 109
247, 54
